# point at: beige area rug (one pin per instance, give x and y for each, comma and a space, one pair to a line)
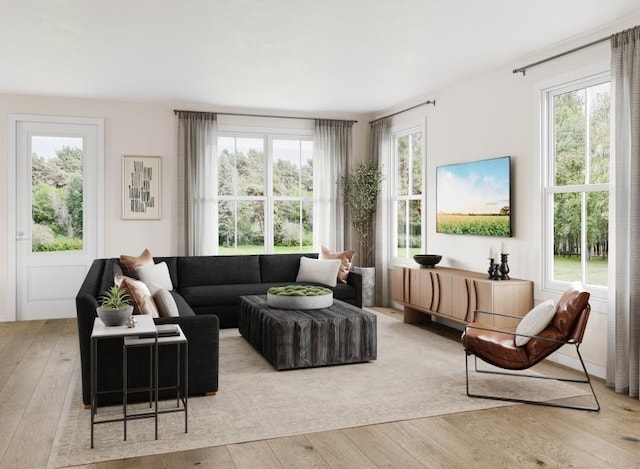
417, 374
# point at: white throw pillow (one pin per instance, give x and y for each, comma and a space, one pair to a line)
535, 321
167, 307
155, 276
324, 271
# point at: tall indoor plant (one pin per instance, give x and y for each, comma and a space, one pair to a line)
360, 188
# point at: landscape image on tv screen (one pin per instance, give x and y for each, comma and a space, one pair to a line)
474, 198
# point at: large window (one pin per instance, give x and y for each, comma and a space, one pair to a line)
407, 193
265, 194
576, 244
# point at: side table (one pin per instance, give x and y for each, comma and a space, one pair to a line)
144, 326
167, 334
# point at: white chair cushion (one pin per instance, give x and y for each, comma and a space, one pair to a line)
535, 321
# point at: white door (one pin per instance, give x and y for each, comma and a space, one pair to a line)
58, 214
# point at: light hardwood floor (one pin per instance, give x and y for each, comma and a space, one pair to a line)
37, 361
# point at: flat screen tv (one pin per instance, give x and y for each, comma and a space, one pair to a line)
474, 198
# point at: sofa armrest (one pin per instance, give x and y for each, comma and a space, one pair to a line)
203, 333
355, 280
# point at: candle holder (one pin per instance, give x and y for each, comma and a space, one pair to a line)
494, 270
490, 270
504, 267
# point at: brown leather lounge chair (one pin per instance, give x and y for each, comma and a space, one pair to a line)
499, 348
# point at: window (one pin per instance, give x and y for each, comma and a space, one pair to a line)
577, 185
407, 193
265, 194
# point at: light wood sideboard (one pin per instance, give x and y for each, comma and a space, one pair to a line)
455, 294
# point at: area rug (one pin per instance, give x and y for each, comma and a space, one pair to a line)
417, 374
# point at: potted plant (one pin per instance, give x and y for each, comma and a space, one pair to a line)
114, 309
360, 188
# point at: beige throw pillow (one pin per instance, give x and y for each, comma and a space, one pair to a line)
167, 307
346, 260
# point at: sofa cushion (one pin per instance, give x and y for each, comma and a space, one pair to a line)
218, 270
281, 267
213, 295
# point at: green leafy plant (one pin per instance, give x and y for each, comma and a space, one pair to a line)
360, 188
299, 290
115, 298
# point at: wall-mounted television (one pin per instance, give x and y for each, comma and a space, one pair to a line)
474, 198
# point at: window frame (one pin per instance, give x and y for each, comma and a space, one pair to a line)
396, 133
267, 135
549, 188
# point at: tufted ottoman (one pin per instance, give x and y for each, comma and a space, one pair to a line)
290, 339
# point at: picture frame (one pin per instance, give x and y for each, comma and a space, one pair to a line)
474, 198
141, 187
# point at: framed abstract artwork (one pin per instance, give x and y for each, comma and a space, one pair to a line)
141, 183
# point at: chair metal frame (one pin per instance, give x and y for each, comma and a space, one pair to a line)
585, 380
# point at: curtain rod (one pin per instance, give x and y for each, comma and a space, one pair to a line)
176, 111
430, 101
562, 54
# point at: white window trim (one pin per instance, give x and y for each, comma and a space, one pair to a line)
545, 287
243, 128
395, 132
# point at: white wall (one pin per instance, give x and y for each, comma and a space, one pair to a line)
492, 115
133, 128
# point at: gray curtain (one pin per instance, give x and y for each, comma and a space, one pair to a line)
197, 151
623, 357
332, 148
379, 140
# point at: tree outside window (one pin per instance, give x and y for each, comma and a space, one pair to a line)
408, 193
265, 194
578, 186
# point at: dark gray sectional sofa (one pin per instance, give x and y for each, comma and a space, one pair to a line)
207, 291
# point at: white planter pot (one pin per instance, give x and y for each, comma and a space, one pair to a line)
300, 302
368, 284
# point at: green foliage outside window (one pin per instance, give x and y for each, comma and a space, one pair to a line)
581, 142
57, 200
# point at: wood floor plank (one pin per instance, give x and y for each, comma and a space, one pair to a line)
338, 450
424, 445
247, 455
44, 410
18, 340
461, 447
217, 456
297, 451
381, 449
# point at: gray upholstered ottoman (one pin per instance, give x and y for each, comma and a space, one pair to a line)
291, 339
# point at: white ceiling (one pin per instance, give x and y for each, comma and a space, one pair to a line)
342, 56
